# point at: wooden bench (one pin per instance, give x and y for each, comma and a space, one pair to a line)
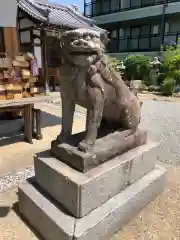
32, 116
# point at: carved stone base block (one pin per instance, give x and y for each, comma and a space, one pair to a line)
53, 223
62, 203
82, 193
105, 148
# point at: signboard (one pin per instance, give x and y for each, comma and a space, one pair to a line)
8, 13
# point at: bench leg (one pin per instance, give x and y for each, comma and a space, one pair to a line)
37, 134
28, 123
54, 84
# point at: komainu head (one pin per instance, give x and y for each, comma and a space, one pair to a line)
81, 47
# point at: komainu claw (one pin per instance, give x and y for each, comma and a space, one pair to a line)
85, 147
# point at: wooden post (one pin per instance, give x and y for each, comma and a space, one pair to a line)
11, 41
45, 65
28, 122
11, 45
37, 134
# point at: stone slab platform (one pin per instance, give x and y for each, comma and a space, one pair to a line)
50, 221
83, 192
53, 223
106, 148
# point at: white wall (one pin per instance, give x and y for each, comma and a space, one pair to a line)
25, 23
8, 13
25, 37
37, 53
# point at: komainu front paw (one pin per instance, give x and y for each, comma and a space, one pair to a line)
85, 147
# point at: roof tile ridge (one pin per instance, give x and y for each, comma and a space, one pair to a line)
34, 4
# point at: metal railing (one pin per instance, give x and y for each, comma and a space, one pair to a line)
142, 43
101, 7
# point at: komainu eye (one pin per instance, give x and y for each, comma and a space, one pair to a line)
87, 37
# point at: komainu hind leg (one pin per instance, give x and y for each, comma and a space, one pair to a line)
131, 134
130, 121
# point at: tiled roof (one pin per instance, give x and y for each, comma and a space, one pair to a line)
58, 14
32, 10
65, 16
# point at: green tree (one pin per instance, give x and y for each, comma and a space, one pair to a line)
137, 67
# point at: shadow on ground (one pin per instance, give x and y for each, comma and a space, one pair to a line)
4, 210
17, 135
49, 120
8, 139
15, 208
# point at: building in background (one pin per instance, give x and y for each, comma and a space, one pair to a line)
136, 25
39, 26
8, 33
8, 13
22, 20
34, 15
35, 26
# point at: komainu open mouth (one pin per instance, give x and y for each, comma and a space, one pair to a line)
85, 53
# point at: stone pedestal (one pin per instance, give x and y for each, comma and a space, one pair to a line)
63, 203
106, 147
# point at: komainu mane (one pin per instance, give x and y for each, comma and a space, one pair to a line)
87, 80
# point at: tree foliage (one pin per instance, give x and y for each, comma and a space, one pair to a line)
137, 67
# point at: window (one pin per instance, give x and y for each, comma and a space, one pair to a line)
121, 33
88, 10
25, 36
2, 48
166, 27
135, 3
105, 7
145, 29
125, 4
135, 31
174, 26
115, 5
147, 2
114, 34
155, 29
96, 8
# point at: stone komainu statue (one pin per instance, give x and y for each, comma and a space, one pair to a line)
86, 79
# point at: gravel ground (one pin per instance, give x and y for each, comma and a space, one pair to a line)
162, 121
160, 118
15, 178
160, 220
